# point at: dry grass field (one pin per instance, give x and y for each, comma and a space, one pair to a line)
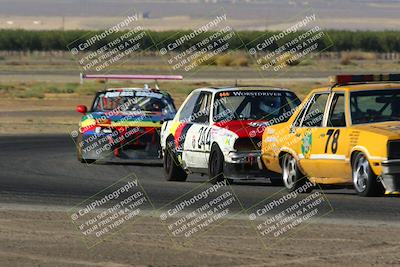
39, 91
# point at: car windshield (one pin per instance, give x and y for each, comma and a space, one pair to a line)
375, 106
254, 105
138, 101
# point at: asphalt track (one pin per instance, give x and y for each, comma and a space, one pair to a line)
43, 170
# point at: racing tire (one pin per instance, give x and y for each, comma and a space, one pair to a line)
78, 149
365, 181
172, 169
216, 166
291, 176
79, 152
79, 155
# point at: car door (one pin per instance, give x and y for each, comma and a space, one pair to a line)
183, 123
330, 149
310, 127
198, 135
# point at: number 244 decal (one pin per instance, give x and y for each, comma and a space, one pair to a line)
204, 137
334, 135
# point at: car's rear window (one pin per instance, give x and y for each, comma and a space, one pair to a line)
134, 101
375, 106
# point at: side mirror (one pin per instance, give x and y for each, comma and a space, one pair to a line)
81, 109
165, 120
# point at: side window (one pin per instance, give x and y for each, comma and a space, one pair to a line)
299, 118
337, 117
201, 113
187, 110
314, 115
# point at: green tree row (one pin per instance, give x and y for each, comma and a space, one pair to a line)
336, 40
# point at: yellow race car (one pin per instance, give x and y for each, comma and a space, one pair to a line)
346, 134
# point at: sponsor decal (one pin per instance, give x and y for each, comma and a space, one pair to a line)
250, 93
180, 135
134, 93
149, 94
306, 144
227, 141
224, 94
193, 141
256, 93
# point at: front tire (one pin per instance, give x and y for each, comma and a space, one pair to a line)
291, 175
78, 142
79, 155
79, 151
173, 171
365, 181
216, 165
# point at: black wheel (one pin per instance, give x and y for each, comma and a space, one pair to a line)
365, 181
291, 175
173, 171
79, 149
79, 155
216, 165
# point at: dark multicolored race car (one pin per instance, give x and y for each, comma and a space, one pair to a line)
217, 131
123, 124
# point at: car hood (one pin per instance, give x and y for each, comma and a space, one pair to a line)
244, 128
390, 129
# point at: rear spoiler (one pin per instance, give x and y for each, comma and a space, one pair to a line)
129, 77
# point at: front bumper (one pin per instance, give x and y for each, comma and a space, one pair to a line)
243, 166
391, 176
110, 148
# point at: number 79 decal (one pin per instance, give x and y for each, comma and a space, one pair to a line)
335, 140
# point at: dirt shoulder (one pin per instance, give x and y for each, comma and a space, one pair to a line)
146, 243
33, 116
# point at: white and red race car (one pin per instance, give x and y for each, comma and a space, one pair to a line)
218, 131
